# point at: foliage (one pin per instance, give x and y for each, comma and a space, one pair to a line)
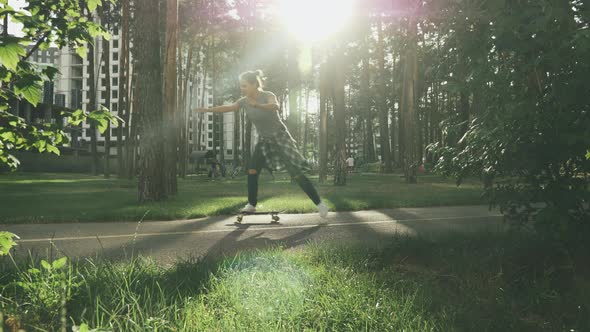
530, 116
40, 294
44, 23
7, 242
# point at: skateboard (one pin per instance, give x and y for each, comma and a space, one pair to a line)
274, 216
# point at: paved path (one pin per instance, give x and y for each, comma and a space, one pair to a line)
167, 241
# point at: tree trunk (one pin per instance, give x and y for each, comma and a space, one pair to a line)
203, 90
170, 97
151, 185
324, 82
369, 144
294, 91
306, 127
217, 117
409, 159
338, 82
92, 107
132, 123
392, 114
123, 88
106, 55
186, 116
383, 112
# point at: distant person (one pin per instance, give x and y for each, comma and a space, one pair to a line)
350, 163
276, 146
214, 170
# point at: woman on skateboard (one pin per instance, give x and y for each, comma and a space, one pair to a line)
276, 147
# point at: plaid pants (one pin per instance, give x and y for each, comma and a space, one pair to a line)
276, 153
279, 152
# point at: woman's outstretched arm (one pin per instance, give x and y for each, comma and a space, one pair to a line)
220, 109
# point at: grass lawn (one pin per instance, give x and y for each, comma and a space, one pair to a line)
486, 282
42, 198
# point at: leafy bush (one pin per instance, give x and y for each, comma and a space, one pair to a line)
529, 131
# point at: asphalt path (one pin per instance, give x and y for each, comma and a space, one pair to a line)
168, 241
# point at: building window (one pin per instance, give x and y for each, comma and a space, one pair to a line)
190, 136
115, 107
210, 126
229, 152
210, 144
210, 135
116, 43
210, 100
210, 117
103, 69
103, 82
115, 94
115, 56
115, 81
115, 69
103, 94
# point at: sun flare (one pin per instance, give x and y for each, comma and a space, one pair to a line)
315, 20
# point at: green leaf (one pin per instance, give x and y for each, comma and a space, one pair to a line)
6, 242
92, 4
45, 265
8, 136
58, 264
41, 145
29, 88
53, 149
588, 154
84, 328
82, 51
50, 72
9, 54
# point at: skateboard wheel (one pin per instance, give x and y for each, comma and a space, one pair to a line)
275, 218
239, 219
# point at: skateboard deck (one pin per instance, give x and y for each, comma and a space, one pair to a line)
273, 214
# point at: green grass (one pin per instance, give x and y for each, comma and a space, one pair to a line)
486, 282
42, 198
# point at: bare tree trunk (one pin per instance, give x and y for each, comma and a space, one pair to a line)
338, 82
203, 90
392, 114
92, 107
383, 118
324, 82
184, 110
409, 106
217, 117
106, 55
170, 97
123, 88
152, 177
294, 87
306, 127
132, 124
367, 111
